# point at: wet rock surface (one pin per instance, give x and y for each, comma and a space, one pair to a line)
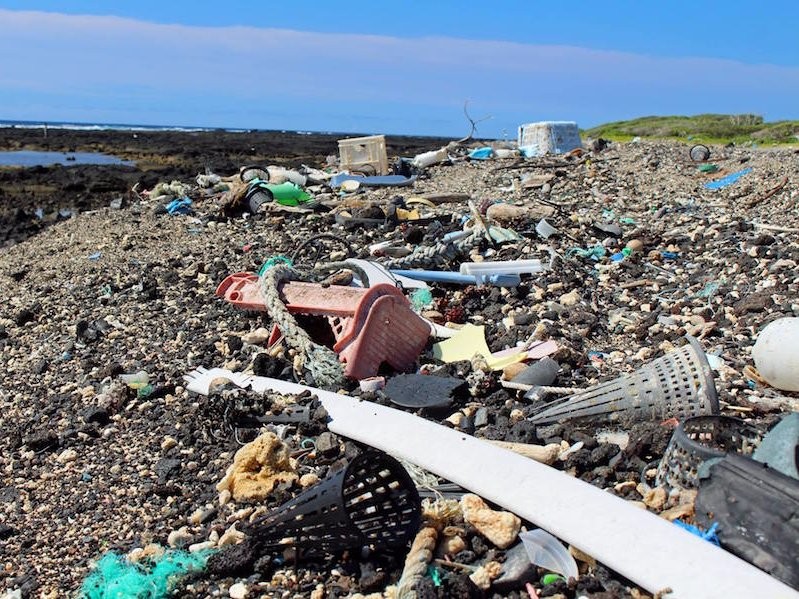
90, 464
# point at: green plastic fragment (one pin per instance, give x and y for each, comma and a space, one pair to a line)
551, 578
434, 575
421, 298
274, 260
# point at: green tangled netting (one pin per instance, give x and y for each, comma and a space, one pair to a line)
117, 578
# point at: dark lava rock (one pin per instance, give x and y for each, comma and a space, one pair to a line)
8, 494
413, 235
95, 414
757, 302
580, 460
460, 586
166, 468
371, 580
327, 444
234, 343
266, 365
233, 560
24, 316
6, 532
522, 432
40, 441
603, 453
516, 570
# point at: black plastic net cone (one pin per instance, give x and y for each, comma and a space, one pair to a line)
700, 442
372, 501
678, 385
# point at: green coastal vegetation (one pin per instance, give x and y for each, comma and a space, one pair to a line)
739, 129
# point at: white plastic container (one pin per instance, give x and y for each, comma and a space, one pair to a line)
430, 158
364, 153
506, 267
776, 354
548, 137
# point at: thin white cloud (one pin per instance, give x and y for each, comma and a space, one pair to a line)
73, 56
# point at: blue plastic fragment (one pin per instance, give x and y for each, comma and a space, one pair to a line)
780, 447
728, 180
708, 535
483, 153
179, 206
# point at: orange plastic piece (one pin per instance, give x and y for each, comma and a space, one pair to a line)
371, 326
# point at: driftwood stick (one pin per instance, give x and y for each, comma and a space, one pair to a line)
762, 198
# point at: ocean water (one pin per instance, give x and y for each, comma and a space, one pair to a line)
28, 158
127, 127
103, 126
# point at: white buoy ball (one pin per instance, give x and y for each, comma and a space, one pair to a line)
776, 354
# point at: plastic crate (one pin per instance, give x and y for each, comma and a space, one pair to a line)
364, 154
549, 137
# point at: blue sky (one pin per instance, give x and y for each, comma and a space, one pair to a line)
401, 67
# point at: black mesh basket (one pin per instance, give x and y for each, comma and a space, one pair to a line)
372, 501
700, 442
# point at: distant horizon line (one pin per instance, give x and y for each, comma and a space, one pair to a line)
87, 126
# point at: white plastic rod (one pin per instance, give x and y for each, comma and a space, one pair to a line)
506, 267
647, 549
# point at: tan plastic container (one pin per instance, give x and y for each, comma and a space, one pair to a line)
364, 154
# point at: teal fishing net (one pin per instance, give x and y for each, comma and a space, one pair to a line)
116, 578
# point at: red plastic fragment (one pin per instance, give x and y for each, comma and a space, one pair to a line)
371, 326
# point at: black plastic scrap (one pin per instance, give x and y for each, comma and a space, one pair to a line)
757, 511
422, 391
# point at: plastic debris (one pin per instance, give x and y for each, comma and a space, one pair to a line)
364, 154
116, 577
375, 181
755, 508
179, 206
776, 354
508, 267
700, 442
545, 230
699, 153
370, 326
421, 298
470, 341
575, 511
548, 137
680, 384
779, 449
728, 180
483, 153
370, 502
436, 276
708, 535
547, 552
422, 391
139, 381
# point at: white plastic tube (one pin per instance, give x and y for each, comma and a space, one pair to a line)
507, 267
647, 549
430, 158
